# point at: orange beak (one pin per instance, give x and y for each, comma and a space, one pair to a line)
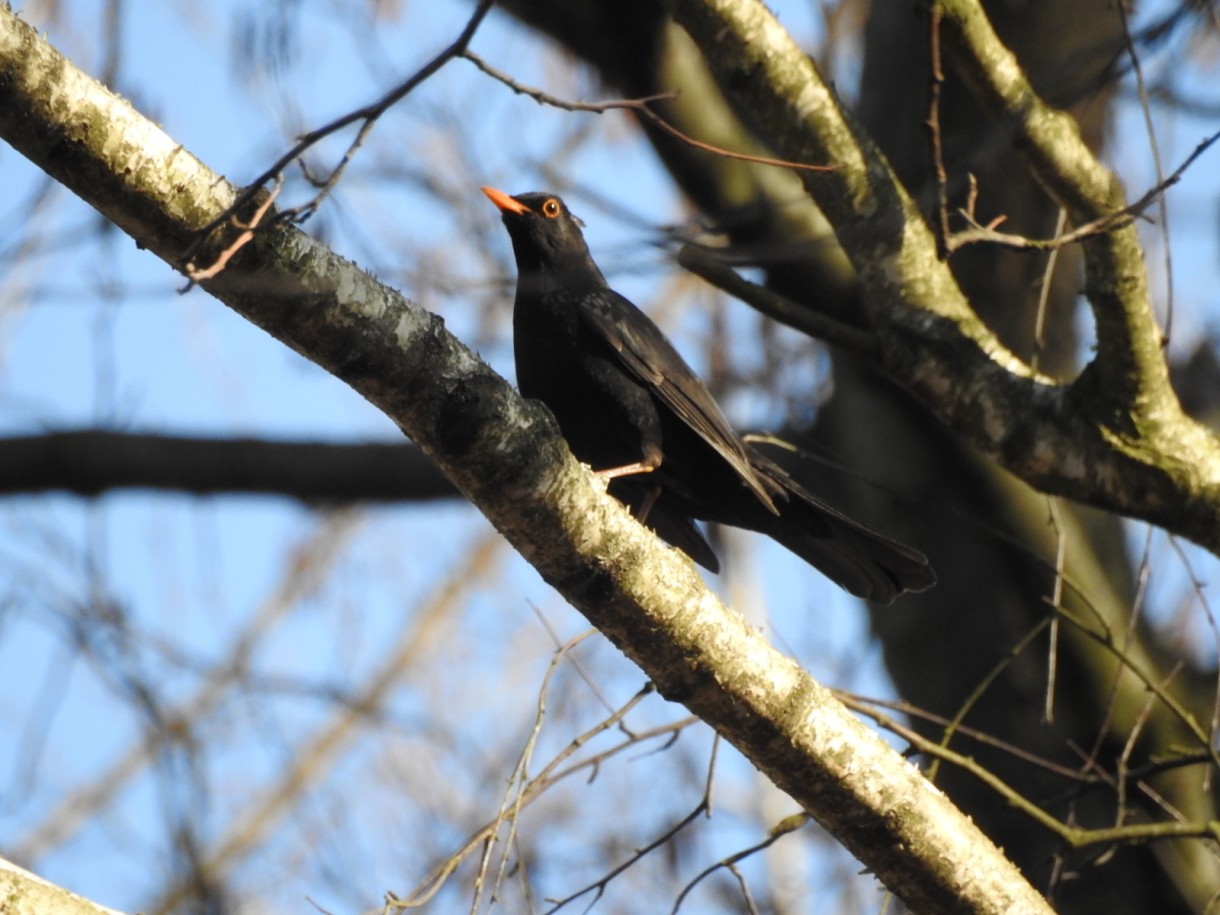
504, 202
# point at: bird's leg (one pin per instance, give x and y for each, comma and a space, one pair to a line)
651, 461
650, 499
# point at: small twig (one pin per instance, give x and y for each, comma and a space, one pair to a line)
1081, 779
707, 265
747, 896
1162, 205
709, 784
578, 667
1103, 224
976, 695
638, 105
1199, 588
1106, 641
937, 83
368, 115
704, 807
855, 701
552, 774
1123, 767
598, 887
1044, 294
1076, 837
513, 801
1121, 649
774, 834
1056, 600
1039, 346
544, 98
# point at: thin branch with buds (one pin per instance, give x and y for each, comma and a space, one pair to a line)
778, 831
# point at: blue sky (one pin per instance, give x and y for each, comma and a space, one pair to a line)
97, 334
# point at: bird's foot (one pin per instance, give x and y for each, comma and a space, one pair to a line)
628, 469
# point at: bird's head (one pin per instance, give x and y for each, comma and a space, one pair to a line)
546, 236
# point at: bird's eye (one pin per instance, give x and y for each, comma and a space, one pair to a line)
550, 209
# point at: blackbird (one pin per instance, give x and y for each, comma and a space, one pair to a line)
631, 408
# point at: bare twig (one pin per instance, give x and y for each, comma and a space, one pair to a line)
1080, 780
1199, 588
936, 85
518, 782
1056, 600
1075, 837
1183, 715
706, 264
1155, 148
598, 887
777, 832
641, 107
1123, 776
367, 116
1103, 224
553, 773
978, 692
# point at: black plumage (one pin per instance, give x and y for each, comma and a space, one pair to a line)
631, 408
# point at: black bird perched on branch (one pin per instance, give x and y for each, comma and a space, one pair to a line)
630, 407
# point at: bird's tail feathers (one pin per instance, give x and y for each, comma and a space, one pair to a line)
855, 557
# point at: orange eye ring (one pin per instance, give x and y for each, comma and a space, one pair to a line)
550, 208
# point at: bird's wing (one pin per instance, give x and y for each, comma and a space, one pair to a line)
648, 354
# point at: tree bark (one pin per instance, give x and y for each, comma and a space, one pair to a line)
93, 461
28, 894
